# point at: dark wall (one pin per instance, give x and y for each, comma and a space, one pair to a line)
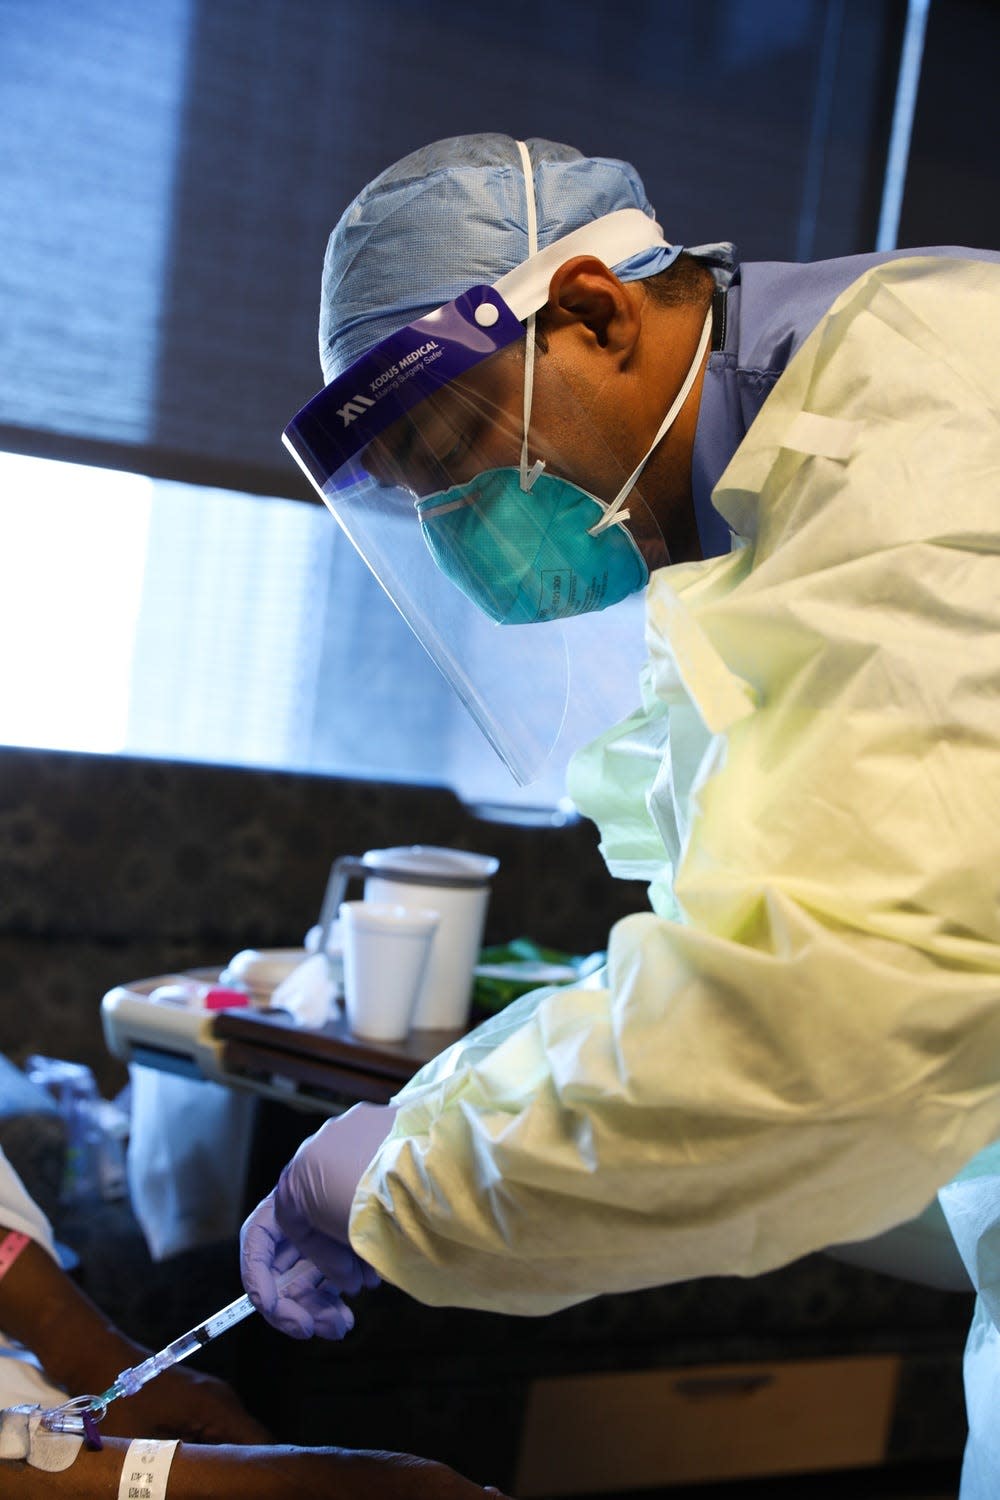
951, 193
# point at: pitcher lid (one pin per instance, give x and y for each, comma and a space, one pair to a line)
425, 861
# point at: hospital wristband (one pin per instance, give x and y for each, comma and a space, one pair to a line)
11, 1246
147, 1464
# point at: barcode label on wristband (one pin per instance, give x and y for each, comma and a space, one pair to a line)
144, 1475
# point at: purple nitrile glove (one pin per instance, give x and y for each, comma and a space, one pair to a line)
312, 1202
287, 1289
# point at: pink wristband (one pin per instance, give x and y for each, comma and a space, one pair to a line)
10, 1248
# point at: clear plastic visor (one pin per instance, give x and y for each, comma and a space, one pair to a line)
417, 451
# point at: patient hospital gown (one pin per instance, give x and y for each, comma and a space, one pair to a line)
21, 1380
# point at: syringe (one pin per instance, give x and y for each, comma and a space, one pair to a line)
67, 1418
129, 1381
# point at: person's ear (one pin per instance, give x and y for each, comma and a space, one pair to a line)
584, 291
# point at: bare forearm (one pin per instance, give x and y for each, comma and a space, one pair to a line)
250, 1473
41, 1307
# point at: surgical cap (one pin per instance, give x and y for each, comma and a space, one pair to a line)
451, 216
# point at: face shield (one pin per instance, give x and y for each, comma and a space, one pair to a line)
466, 503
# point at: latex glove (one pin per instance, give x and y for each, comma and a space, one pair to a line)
287, 1289
312, 1202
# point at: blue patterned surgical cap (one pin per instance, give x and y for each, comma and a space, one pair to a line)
453, 215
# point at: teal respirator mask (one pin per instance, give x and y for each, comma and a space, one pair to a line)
527, 546
528, 555
429, 454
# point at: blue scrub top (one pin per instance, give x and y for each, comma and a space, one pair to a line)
771, 308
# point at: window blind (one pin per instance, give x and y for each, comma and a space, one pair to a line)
170, 173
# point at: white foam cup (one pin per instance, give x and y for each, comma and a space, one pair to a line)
456, 883
386, 951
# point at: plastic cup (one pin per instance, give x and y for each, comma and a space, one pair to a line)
386, 951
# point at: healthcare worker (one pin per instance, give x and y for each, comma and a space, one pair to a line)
535, 408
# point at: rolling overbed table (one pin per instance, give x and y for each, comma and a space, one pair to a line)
321, 1069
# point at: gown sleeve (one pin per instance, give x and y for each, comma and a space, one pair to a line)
800, 1042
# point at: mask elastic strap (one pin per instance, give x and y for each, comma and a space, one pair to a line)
528, 476
614, 511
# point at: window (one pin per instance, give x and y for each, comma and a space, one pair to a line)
155, 618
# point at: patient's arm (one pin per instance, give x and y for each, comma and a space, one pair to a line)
42, 1307
82, 1351
254, 1473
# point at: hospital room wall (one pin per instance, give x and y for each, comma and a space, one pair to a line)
951, 184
